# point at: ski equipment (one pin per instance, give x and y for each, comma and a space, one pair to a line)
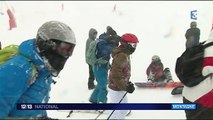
91, 57
55, 41
114, 110
80, 111
8, 53
177, 90
189, 65
130, 38
157, 84
129, 41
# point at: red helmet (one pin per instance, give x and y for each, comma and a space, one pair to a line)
129, 37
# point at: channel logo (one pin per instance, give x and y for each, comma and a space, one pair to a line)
193, 14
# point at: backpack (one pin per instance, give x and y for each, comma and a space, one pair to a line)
190, 64
91, 54
11, 51
7, 53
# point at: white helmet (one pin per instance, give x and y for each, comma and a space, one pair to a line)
58, 31
155, 58
55, 42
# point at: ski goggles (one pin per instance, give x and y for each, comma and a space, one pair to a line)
65, 49
133, 45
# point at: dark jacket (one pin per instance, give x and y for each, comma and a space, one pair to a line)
120, 71
105, 46
104, 49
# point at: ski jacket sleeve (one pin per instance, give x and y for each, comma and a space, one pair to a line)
14, 81
120, 71
87, 47
187, 34
38, 92
208, 61
148, 70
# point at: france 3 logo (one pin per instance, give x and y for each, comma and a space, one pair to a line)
193, 14
26, 106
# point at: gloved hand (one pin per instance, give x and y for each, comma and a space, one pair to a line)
130, 87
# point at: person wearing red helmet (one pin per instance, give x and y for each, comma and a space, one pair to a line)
120, 73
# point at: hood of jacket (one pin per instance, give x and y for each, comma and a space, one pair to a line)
28, 49
92, 32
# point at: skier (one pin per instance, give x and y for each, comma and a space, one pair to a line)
92, 36
120, 73
202, 93
156, 72
107, 41
12, 20
31, 71
192, 35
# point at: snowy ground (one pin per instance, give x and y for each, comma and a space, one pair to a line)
159, 25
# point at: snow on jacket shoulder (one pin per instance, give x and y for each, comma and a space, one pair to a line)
18, 86
120, 71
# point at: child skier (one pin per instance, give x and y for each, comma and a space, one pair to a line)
120, 73
156, 72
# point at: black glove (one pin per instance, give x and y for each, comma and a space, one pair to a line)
130, 87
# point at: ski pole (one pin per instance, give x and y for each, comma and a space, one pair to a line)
71, 111
101, 112
112, 111
119, 103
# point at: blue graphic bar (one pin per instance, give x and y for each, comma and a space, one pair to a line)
108, 106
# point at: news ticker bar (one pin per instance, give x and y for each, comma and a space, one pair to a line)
108, 106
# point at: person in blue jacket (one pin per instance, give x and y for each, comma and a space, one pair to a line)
27, 77
107, 42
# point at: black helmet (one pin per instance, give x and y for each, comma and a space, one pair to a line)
55, 43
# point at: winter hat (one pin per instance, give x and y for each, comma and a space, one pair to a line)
110, 30
193, 24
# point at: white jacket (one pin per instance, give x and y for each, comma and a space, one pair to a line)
194, 93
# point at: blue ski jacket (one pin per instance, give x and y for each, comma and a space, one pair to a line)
104, 48
18, 84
